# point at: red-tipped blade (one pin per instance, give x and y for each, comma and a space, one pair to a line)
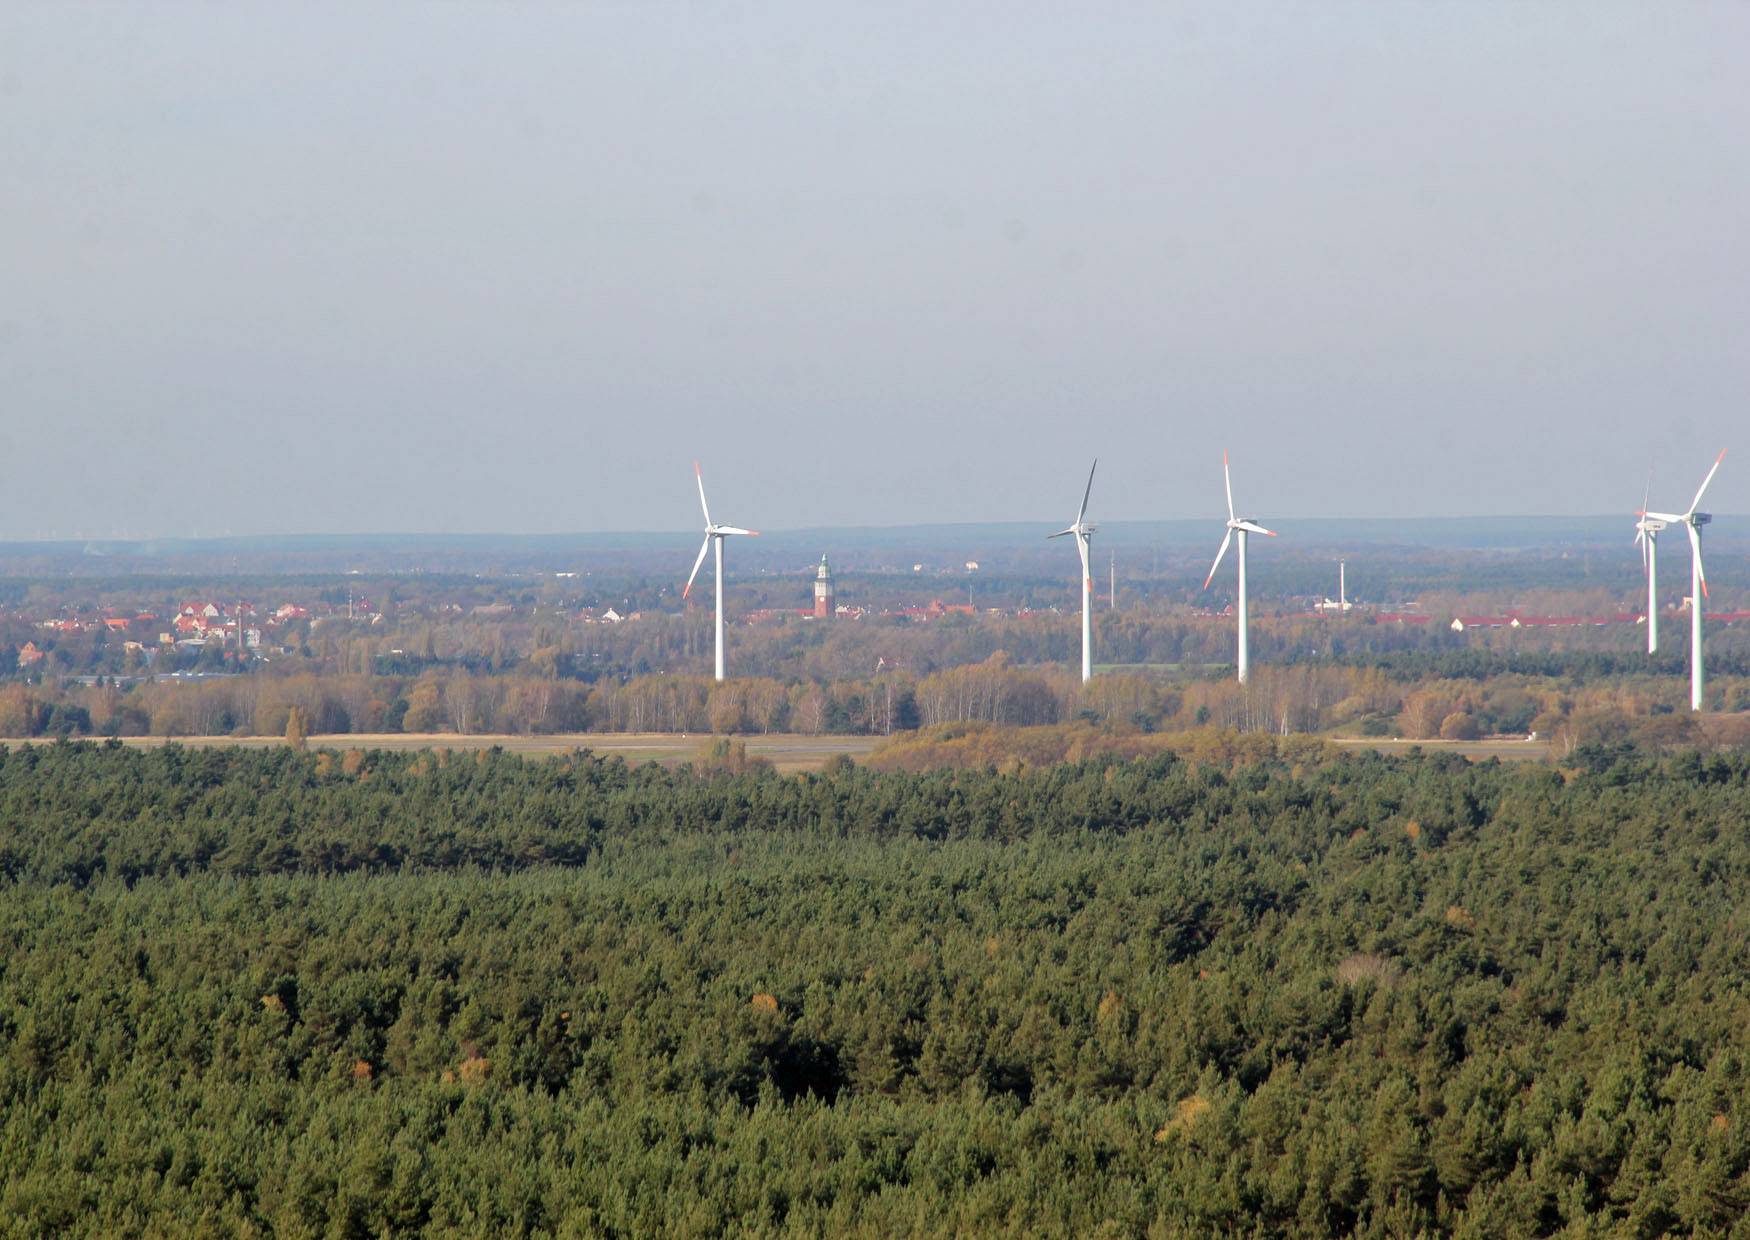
1696, 502
704, 548
1694, 533
1226, 539
703, 506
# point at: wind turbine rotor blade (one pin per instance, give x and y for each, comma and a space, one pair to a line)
1225, 540
734, 529
1082, 512
1696, 502
700, 475
704, 549
1061, 533
1228, 482
1254, 527
1700, 571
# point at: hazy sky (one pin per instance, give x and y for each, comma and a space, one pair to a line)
510, 267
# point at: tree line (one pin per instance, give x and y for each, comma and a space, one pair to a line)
1448, 703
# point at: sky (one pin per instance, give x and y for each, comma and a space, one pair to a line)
514, 267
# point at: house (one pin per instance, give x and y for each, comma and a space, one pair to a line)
610, 616
30, 656
936, 610
1461, 623
116, 624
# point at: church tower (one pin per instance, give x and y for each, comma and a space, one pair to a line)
823, 604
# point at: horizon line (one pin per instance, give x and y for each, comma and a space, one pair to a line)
88, 538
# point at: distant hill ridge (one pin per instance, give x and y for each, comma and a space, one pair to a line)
1480, 533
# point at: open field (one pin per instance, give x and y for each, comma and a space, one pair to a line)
795, 752
1476, 751
785, 751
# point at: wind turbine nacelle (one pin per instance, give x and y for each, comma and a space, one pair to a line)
1700, 518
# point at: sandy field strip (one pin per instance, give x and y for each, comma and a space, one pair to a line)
1476, 751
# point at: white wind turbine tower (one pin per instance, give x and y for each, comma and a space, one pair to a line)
714, 536
1245, 527
1081, 529
1692, 521
1647, 531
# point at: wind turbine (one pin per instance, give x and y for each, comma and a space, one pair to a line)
1245, 527
1647, 531
1081, 529
1692, 521
714, 536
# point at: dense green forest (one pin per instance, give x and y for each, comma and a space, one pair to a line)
275, 992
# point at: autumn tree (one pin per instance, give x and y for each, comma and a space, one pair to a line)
295, 734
